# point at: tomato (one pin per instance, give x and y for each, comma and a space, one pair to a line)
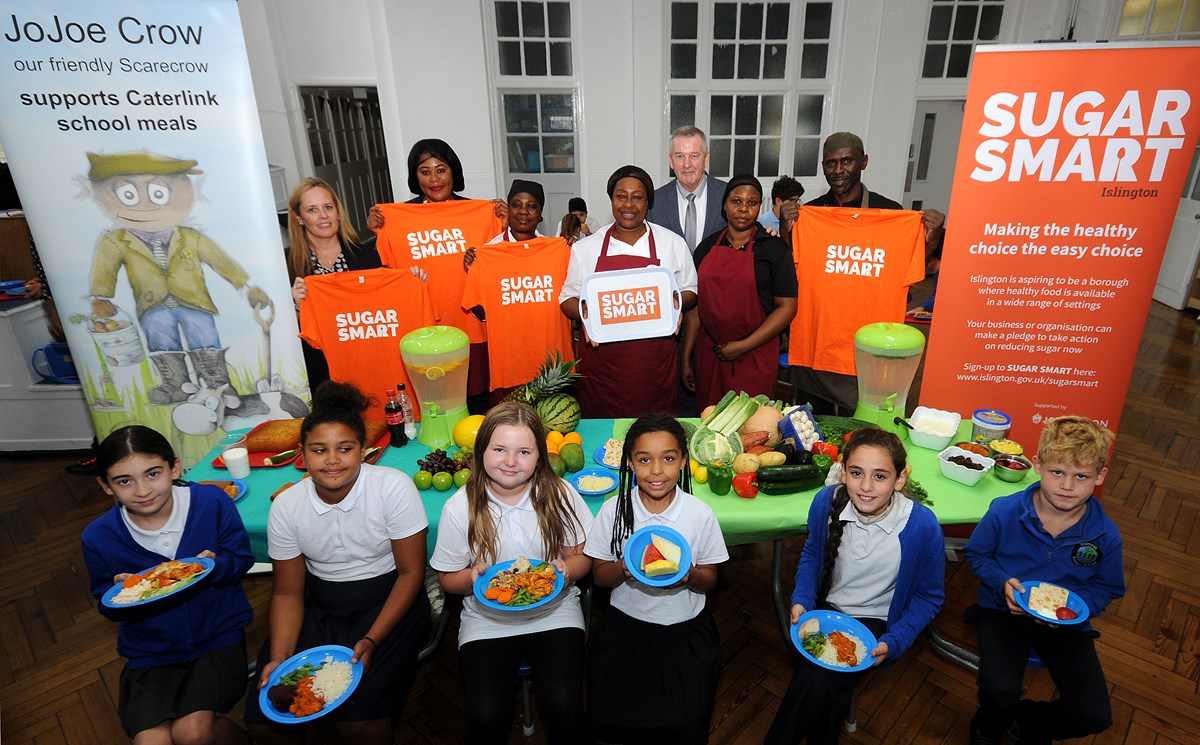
1066, 614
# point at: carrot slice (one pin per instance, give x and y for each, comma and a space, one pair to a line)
131, 580
506, 594
492, 593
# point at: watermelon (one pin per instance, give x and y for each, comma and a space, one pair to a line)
559, 411
651, 555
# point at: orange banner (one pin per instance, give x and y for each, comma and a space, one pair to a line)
1070, 170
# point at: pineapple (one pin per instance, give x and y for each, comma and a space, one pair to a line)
553, 376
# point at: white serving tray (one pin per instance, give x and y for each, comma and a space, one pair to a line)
628, 304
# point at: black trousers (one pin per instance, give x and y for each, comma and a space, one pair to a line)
1069, 654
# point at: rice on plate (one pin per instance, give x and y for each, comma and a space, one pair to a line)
829, 655
332, 679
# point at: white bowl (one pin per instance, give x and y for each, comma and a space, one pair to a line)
962, 474
924, 416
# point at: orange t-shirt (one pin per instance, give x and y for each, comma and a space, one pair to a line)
434, 237
853, 266
517, 284
358, 324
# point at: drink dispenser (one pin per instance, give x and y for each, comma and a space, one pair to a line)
887, 356
436, 360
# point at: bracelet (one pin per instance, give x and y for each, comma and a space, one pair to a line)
374, 643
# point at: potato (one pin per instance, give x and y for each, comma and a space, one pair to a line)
745, 463
771, 458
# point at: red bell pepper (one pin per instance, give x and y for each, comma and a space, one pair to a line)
825, 448
745, 485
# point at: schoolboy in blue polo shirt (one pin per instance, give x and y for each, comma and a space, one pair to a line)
1053, 531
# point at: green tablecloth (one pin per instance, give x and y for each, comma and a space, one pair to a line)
742, 520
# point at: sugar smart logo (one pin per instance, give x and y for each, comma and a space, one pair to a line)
627, 306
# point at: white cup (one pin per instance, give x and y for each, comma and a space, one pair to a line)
236, 456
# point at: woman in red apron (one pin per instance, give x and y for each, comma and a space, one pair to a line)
747, 287
629, 378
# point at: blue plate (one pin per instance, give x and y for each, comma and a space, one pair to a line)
833, 621
12, 284
242, 489
598, 456
115, 589
485, 579
635, 546
602, 473
314, 656
1074, 602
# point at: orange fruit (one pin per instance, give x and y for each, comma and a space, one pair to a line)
574, 437
555, 437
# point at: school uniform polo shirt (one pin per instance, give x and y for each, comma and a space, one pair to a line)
661, 605
350, 540
876, 545
165, 540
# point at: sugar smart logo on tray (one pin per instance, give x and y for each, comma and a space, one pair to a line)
627, 306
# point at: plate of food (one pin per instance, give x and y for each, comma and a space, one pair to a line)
518, 585
235, 488
609, 454
658, 556
157, 582
271, 444
370, 454
592, 482
834, 641
1052, 603
310, 684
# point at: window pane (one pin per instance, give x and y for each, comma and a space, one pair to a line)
683, 61
775, 63
927, 129
1165, 18
748, 61
510, 58
813, 60
683, 111
559, 154
523, 155
778, 15
743, 156
817, 19
804, 162
533, 19
560, 58
768, 160
721, 115
989, 22
560, 20
683, 20
520, 113
724, 20
752, 21
808, 114
535, 57
718, 161
747, 115
1133, 19
964, 22
1191, 17
506, 19
772, 116
960, 61
722, 62
557, 113
935, 61
939, 22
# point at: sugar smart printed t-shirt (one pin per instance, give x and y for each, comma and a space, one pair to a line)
517, 284
434, 237
359, 325
853, 266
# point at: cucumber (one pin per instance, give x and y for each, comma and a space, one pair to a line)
790, 487
780, 474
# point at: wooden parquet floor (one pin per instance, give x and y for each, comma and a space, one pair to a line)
58, 675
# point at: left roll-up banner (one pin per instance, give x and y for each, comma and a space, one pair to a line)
133, 137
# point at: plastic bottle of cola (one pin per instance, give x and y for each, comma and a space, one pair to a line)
393, 413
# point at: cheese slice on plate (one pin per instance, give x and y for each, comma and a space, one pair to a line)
1046, 598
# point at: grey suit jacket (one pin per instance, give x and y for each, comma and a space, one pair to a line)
665, 211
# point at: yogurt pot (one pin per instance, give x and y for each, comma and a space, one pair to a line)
989, 424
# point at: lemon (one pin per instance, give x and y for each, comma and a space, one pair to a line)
700, 475
693, 464
434, 372
466, 430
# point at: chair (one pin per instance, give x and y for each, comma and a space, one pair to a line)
439, 615
525, 671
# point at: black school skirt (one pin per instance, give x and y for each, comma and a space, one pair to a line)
214, 681
342, 613
652, 683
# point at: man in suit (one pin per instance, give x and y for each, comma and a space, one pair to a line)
691, 204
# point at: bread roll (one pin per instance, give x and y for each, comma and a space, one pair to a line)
275, 436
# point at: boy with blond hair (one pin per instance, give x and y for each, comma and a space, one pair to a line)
1053, 531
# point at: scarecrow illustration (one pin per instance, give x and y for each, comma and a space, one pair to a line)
148, 196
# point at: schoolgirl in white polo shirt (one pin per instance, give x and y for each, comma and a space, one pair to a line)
515, 505
656, 657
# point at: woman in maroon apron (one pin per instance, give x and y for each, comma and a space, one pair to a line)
629, 378
747, 287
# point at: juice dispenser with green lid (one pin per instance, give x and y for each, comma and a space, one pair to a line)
436, 360
887, 356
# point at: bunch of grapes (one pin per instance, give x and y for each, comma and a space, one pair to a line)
464, 458
439, 462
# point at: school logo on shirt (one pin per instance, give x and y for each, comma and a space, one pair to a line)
527, 289
367, 324
424, 244
1085, 554
627, 306
854, 260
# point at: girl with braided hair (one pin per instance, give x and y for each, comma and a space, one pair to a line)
655, 659
878, 559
